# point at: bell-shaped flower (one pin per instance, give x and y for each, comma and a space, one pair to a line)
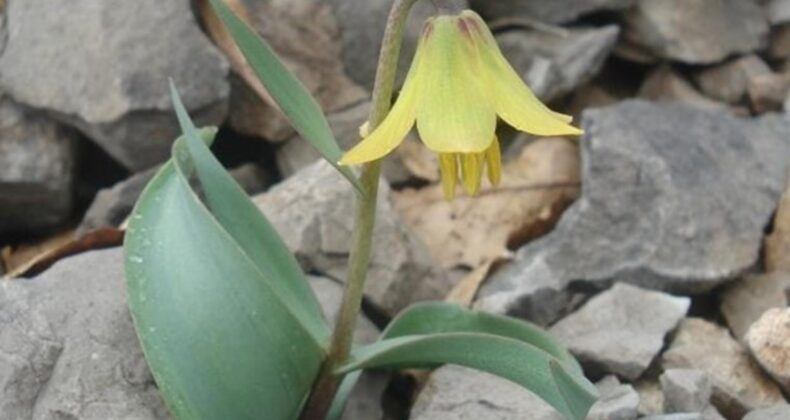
458, 84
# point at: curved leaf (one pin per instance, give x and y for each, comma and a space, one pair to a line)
508, 358
220, 331
438, 317
294, 99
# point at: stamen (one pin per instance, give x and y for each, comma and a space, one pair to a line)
448, 165
494, 162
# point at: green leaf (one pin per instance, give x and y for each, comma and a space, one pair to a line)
506, 357
438, 317
219, 330
294, 99
342, 395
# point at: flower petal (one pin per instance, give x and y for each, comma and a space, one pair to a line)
454, 115
510, 97
396, 126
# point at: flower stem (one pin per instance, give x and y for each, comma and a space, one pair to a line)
361, 241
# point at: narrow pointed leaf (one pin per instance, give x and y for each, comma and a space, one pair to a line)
438, 317
294, 99
508, 358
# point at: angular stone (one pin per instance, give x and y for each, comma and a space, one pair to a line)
779, 412
745, 301
621, 330
665, 85
780, 43
313, 210
306, 36
651, 398
699, 32
555, 11
103, 67
554, 66
68, 354
650, 212
769, 341
685, 390
112, 206
676, 416
777, 11
454, 392
768, 92
37, 170
738, 384
729, 82
777, 245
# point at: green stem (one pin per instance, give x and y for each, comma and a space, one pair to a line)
340, 347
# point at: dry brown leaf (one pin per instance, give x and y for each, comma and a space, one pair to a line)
29, 260
473, 232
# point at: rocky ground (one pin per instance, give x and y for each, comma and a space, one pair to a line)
656, 247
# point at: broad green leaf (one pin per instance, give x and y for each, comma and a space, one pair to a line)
220, 332
509, 358
342, 395
438, 317
237, 214
294, 99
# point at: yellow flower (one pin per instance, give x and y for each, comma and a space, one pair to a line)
458, 83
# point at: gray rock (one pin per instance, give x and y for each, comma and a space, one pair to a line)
768, 340
68, 349
699, 32
103, 67
37, 170
112, 206
617, 401
673, 198
780, 43
455, 393
729, 81
685, 390
362, 24
313, 211
738, 384
745, 301
621, 330
779, 412
676, 416
297, 153
777, 11
651, 398
768, 92
665, 85
68, 354
555, 11
554, 65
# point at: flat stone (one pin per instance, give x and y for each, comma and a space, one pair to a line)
112, 205
650, 212
306, 36
555, 11
454, 392
554, 65
738, 384
779, 412
768, 92
621, 330
37, 170
700, 32
729, 81
314, 209
768, 340
685, 390
745, 301
777, 244
665, 85
68, 354
103, 68
777, 11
